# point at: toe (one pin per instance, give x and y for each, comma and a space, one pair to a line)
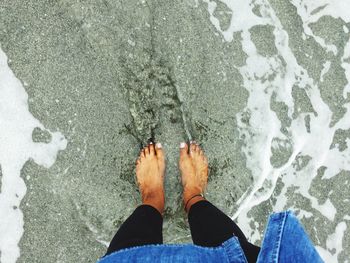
159, 151
160, 157
142, 153
146, 151
193, 147
183, 150
151, 148
205, 159
200, 150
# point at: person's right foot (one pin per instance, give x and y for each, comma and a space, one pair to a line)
193, 165
150, 169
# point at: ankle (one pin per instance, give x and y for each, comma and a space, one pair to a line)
190, 191
155, 199
191, 196
195, 199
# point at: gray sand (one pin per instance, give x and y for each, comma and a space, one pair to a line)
111, 74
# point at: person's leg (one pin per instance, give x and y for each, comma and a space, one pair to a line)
206, 220
210, 227
144, 225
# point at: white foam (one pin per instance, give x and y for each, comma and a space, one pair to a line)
241, 10
325, 69
307, 12
303, 213
16, 147
264, 126
346, 67
334, 241
334, 8
334, 244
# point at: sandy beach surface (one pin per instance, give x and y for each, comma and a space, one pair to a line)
262, 85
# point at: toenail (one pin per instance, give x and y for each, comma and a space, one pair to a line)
182, 145
158, 145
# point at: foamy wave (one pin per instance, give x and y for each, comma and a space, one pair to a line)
309, 134
16, 147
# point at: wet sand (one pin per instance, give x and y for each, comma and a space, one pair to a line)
109, 75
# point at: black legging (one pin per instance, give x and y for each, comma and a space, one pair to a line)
209, 228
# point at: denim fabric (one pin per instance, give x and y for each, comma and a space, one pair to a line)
285, 241
230, 252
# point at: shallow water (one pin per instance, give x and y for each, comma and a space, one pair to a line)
263, 85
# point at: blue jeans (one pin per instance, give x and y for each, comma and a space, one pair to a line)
284, 241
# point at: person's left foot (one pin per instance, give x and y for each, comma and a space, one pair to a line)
150, 168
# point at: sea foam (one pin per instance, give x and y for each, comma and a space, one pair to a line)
263, 130
17, 147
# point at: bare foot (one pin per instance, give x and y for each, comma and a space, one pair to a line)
150, 168
194, 173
